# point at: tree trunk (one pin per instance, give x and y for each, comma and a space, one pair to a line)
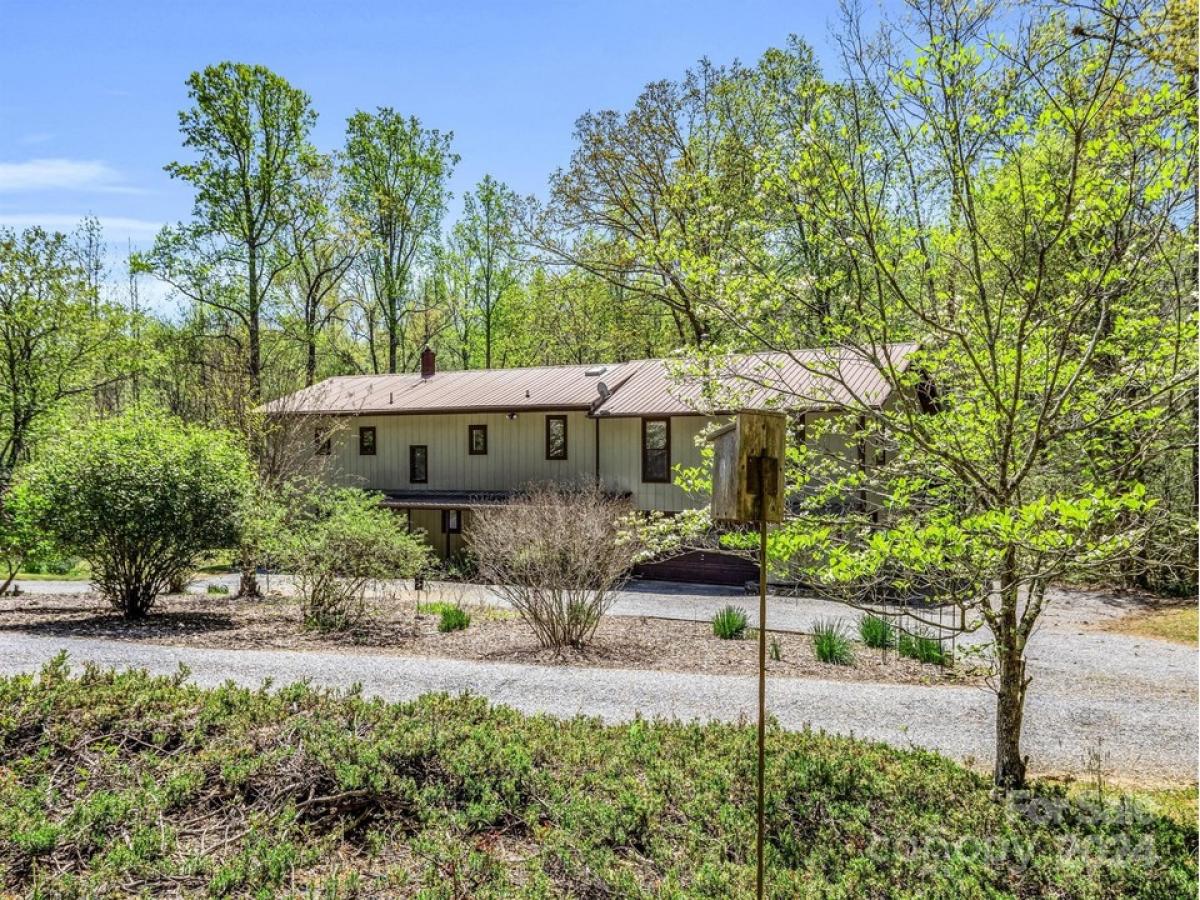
134, 599
393, 327
310, 362
1009, 770
1010, 711
254, 362
248, 582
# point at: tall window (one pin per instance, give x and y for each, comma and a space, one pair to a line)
656, 449
556, 437
451, 521
418, 464
477, 440
322, 443
366, 440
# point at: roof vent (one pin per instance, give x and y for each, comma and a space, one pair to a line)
595, 370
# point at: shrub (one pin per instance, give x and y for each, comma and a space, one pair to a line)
921, 646
217, 589
24, 540
831, 643
141, 497
557, 555
876, 631
730, 623
453, 618
145, 768
178, 581
342, 544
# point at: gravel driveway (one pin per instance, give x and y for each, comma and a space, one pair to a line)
1132, 700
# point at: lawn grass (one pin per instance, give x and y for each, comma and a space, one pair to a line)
123, 783
81, 571
73, 575
1178, 624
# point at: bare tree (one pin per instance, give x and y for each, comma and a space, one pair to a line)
557, 554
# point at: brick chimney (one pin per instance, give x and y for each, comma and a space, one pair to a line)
428, 363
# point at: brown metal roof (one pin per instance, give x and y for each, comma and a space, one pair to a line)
473, 390
798, 379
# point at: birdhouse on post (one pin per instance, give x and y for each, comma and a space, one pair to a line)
748, 456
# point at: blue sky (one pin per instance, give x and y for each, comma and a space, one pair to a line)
89, 91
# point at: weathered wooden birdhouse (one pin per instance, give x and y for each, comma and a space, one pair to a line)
748, 457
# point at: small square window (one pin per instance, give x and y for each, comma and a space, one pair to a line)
322, 443
366, 441
418, 464
556, 437
477, 440
451, 521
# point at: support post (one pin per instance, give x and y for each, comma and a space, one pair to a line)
762, 671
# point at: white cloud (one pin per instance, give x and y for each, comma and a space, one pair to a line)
62, 174
116, 228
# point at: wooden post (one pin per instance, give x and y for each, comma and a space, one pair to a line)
748, 458
762, 672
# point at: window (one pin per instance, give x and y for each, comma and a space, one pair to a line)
322, 443
451, 521
418, 464
656, 449
366, 440
556, 437
477, 440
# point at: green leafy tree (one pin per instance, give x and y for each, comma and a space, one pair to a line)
23, 536
321, 249
58, 343
249, 129
396, 175
1015, 198
485, 242
140, 497
651, 198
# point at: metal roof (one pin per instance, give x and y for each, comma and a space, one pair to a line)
473, 390
800, 379
797, 379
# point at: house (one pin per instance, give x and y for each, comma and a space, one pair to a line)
441, 444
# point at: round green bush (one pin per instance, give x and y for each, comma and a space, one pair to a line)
141, 497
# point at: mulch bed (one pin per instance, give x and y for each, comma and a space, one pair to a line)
495, 635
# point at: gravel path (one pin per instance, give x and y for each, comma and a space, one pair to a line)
1132, 700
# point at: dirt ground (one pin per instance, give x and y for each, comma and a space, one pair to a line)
494, 635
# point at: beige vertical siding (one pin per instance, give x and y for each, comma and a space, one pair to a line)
516, 452
429, 521
516, 455
621, 461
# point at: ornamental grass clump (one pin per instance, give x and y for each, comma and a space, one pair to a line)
730, 623
876, 632
923, 647
453, 618
831, 643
